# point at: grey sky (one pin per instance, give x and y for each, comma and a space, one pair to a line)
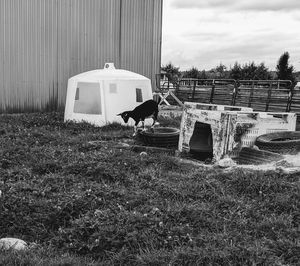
204, 34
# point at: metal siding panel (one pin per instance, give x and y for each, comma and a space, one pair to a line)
45, 42
2, 55
87, 37
27, 64
157, 40
141, 36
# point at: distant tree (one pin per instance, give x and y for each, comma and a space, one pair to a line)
262, 72
192, 73
249, 71
283, 69
219, 72
236, 71
297, 76
173, 72
252, 71
203, 74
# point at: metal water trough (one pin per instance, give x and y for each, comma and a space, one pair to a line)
223, 130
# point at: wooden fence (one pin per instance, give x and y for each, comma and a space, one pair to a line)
261, 95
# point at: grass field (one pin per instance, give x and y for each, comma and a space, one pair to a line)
83, 204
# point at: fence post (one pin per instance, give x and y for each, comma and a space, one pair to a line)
290, 98
269, 97
234, 93
194, 88
212, 92
251, 94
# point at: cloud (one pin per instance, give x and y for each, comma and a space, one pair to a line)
296, 15
228, 51
238, 5
204, 37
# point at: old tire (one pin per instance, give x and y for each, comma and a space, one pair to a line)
285, 142
160, 137
254, 156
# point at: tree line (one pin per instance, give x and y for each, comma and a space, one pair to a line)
248, 71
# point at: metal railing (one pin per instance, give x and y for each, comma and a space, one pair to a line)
261, 95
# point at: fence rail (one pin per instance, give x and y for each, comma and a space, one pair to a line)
261, 95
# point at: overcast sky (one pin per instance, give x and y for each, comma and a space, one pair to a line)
205, 33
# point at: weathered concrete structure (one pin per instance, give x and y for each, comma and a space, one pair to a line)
224, 130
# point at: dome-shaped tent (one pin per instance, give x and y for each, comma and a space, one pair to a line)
97, 96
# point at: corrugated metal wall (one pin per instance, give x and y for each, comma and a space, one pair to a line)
44, 42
